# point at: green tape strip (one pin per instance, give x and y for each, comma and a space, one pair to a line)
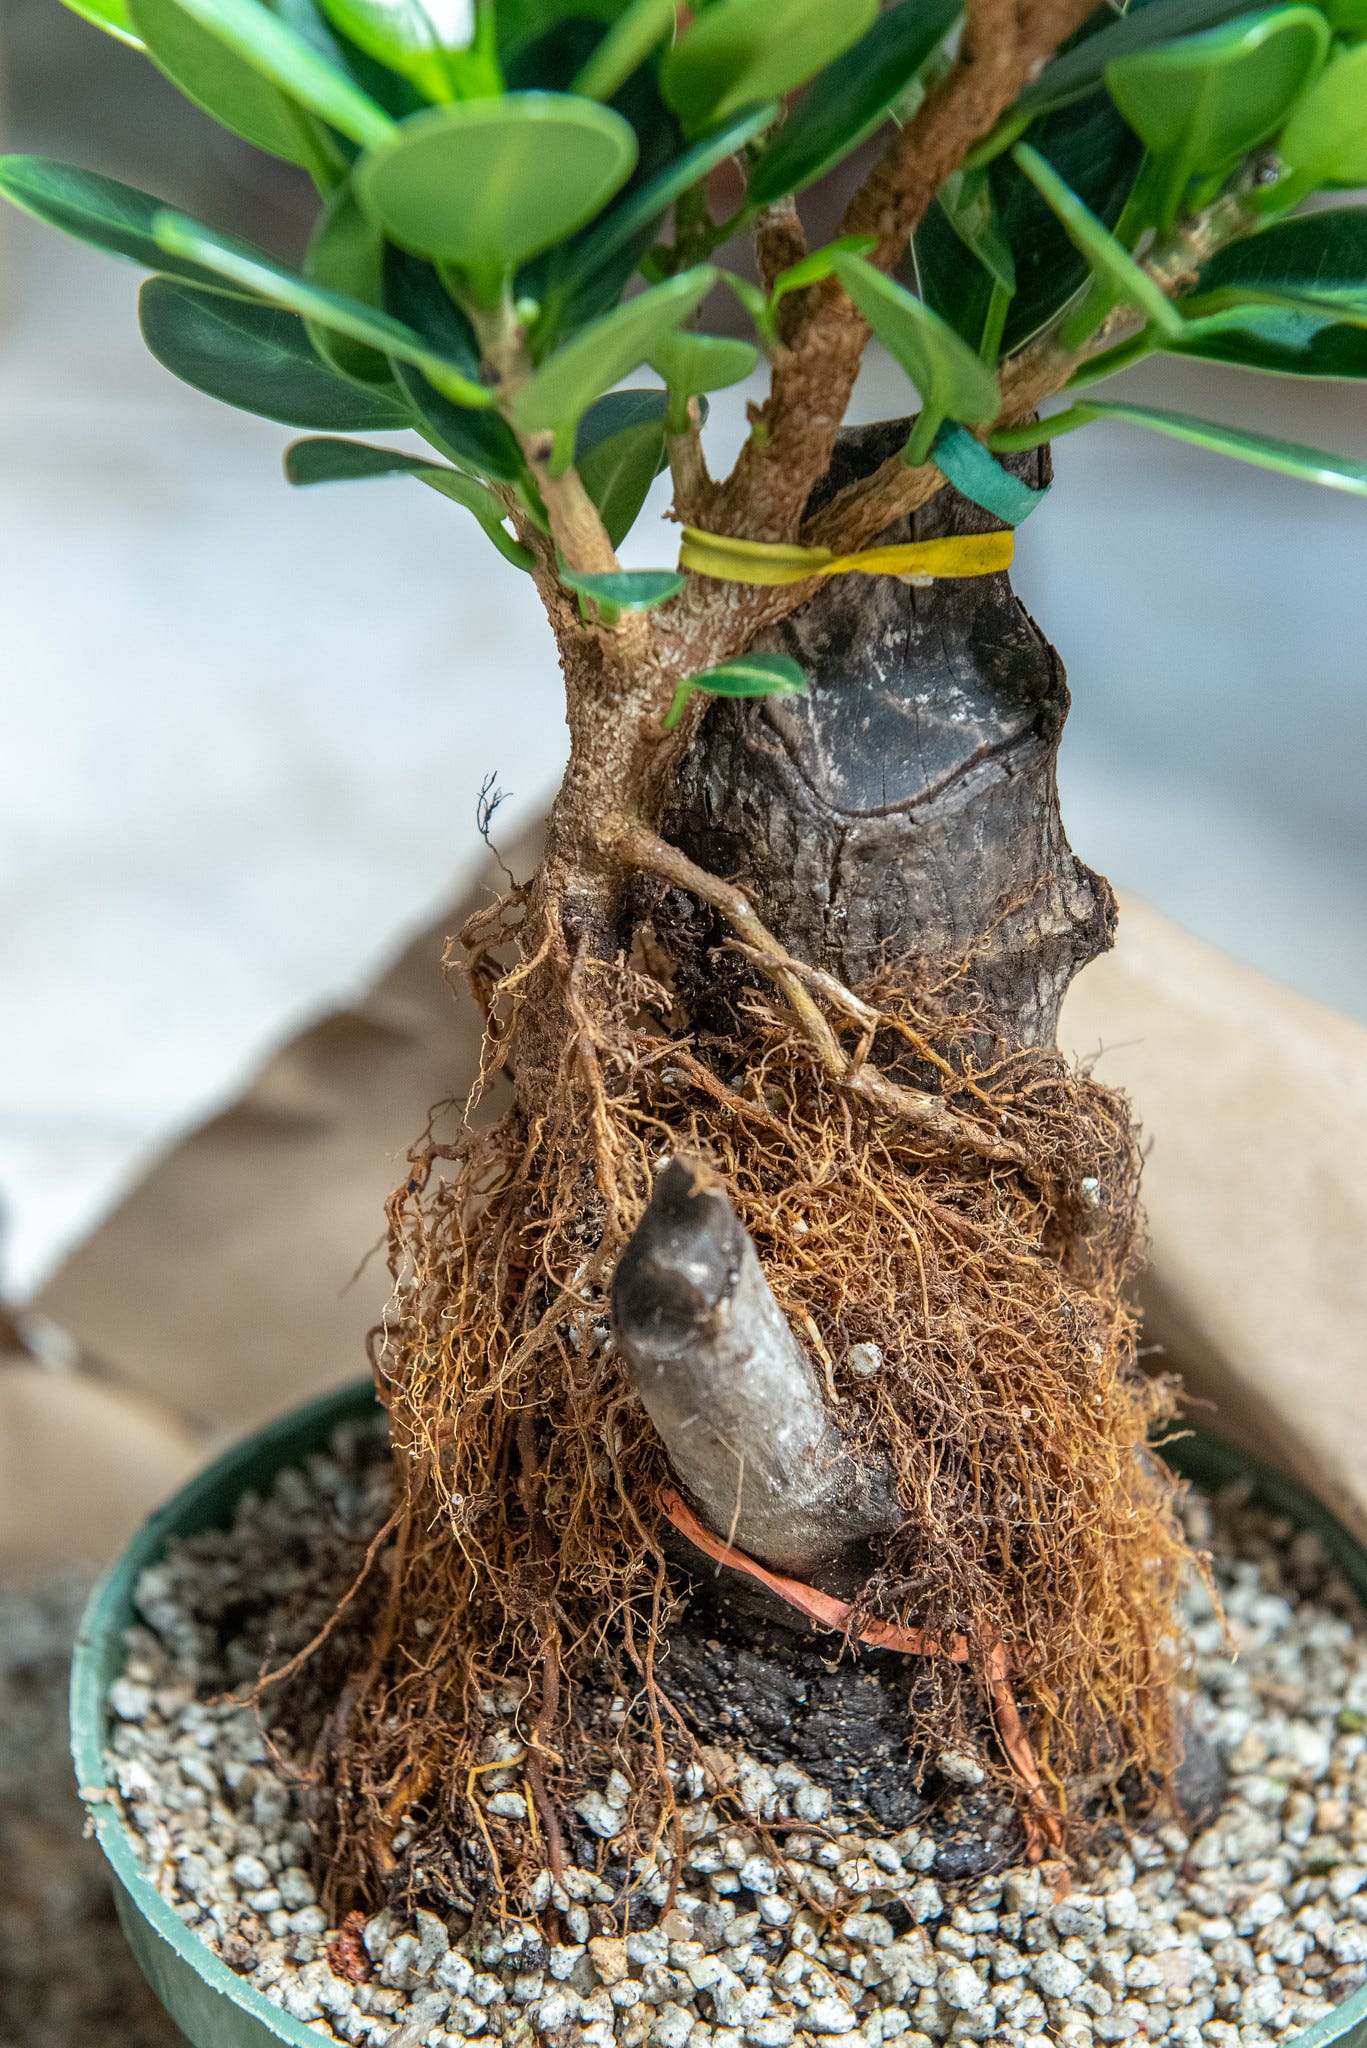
976, 473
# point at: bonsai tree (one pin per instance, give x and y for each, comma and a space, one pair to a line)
787, 1289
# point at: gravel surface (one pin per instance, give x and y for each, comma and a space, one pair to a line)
67, 1979
1239, 1937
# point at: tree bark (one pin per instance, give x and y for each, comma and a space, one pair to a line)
903, 812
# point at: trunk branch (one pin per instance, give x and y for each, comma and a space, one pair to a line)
735, 1399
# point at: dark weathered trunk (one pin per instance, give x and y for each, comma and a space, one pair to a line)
903, 813
905, 809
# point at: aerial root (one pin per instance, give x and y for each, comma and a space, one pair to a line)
991, 1298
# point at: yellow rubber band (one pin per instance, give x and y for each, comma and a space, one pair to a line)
768, 562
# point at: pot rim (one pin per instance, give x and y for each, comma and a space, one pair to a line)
207, 1500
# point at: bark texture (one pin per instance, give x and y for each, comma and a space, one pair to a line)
905, 809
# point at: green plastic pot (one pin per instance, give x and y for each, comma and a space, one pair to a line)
214, 2007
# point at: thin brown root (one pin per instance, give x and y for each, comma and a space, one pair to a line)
796, 982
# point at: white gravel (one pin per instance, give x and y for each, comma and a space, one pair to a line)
1239, 1938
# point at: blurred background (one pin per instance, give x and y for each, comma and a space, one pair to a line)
243, 733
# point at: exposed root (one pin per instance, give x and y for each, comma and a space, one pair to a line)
801, 984
1007, 1402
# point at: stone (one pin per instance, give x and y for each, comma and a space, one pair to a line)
1054, 1975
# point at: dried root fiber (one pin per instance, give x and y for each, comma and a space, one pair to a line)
527, 1545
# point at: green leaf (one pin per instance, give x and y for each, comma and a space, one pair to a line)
329, 461
639, 29
1316, 263
952, 381
346, 254
521, 22
1106, 257
416, 38
228, 90
1097, 156
1347, 18
750, 675
110, 216
111, 16
693, 363
820, 264
619, 451
1203, 103
1278, 340
848, 101
241, 264
978, 310
736, 52
639, 212
414, 294
1082, 69
1325, 140
568, 381
968, 205
257, 358
490, 182
1264, 451
212, 48
626, 590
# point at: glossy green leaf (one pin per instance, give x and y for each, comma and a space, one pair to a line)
243, 265
416, 38
1082, 68
110, 15
693, 363
1280, 341
736, 52
641, 27
820, 264
750, 675
414, 294
968, 204
257, 358
1097, 156
1106, 258
955, 284
1347, 18
952, 381
638, 213
626, 590
568, 381
329, 461
846, 103
225, 87
210, 48
110, 216
619, 451
521, 22
346, 254
488, 183
1201, 104
1325, 140
1316, 263
1264, 451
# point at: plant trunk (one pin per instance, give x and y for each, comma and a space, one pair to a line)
882, 1356
904, 814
